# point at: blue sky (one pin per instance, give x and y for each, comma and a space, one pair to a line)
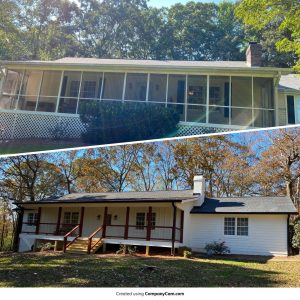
160, 3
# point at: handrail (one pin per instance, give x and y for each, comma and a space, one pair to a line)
91, 238
67, 235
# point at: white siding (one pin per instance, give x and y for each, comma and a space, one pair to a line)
267, 234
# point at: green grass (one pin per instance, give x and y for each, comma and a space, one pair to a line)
62, 270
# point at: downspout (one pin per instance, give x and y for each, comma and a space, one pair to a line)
20, 212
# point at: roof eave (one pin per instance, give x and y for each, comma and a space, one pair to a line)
245, 213
135, 67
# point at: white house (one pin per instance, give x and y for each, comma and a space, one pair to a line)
210, 96
169, 219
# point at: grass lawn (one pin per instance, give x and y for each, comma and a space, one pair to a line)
63, 270
33, 145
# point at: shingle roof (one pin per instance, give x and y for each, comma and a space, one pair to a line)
149, 62
271, 205
290, 82
159, 196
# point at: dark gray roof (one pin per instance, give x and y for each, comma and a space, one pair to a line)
290, 83
159, 196
259, 205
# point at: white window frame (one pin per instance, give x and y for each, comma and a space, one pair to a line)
236, 227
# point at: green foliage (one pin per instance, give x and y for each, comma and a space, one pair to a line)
217, 248
279, 18
296, 236
115, 122
187, 254
182, 249
125, 249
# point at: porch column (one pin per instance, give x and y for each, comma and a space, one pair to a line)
58, 220
104, 222
20, 212
38, 221
81, 221
173, 229
181, 226
127, 223
148, 237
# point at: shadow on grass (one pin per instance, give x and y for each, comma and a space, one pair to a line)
37, 270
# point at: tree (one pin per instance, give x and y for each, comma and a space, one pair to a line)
70, 167
29, 177
296, 236
282, 17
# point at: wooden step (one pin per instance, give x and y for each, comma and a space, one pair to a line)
80, 246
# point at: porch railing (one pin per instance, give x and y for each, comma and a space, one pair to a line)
72, 232
47, 228
97, 231
143, 232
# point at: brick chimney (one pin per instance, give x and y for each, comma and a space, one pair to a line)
254, 55
199, 189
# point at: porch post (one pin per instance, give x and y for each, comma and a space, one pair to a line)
81, 221
149, 224
181, 226
173, 229
38, 221
58, 220
104, 222
127, 223
20, 212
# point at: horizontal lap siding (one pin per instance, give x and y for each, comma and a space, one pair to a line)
267, 234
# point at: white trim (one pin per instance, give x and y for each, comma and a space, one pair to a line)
59, 90
185, 97
79, 92
102, 84
207, 99
148, 86
124, 86
21, 85
167, 90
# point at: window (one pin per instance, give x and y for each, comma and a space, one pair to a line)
140, 221
89, 89
197, 89
32, 219
242, 226
74, 88
236, 226
229, 226
71, 218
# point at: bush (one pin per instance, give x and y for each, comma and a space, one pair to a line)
124, 249
218, 248
182, 249
187, 254
296, 236
115, 122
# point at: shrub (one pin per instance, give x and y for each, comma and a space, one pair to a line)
124, 249
182, 249
115, 122
296, 236
187, 254
218, 248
